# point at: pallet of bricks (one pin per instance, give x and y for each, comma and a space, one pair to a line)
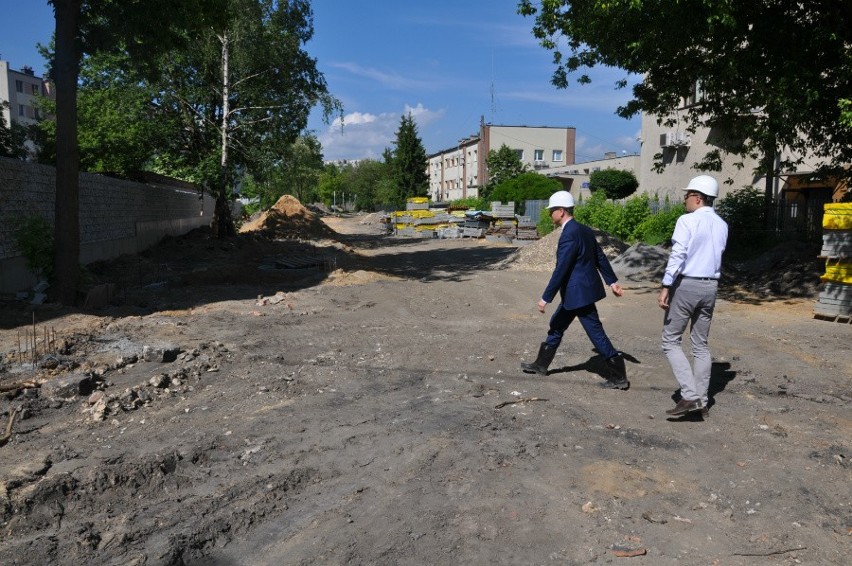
835, 299
526, 229
505, 225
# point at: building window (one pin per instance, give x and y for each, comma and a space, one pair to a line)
22, 110
19, 86
36, 114
34, 89
695, 96
538, 155
519, 153
557, 155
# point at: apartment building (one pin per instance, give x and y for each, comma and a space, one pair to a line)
458, 172
18, 90
681, 150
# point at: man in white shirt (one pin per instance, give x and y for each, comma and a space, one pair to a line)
689, 292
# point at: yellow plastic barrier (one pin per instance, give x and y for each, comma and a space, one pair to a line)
418, 200
837, 216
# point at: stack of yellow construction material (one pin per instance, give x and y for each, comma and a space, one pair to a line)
419, 222
417, 203
835, 300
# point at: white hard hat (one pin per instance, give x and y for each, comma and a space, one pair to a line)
561, 199
704, 184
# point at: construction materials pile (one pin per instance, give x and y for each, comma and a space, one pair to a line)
835, 299
498, 224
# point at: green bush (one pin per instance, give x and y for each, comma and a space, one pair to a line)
632, 221
657, 228
743, 209
34, 238
629, 216
472, 203
597, 212
524, 187
545, 223
744, 212
615, 183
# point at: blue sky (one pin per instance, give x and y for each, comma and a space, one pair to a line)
448, 62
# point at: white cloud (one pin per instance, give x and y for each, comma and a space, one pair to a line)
362, 135
388, 80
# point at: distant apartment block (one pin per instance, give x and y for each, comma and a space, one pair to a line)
18, 92
458, 172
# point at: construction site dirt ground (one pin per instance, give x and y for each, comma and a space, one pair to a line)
358, 400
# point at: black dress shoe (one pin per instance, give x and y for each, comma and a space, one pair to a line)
683, 407
619, 384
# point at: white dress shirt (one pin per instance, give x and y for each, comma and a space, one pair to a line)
697, 244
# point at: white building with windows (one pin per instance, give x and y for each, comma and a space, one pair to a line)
18, 91
458, 172
679, 150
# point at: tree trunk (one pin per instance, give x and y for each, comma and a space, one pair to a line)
223, 223
768, 192
67, 204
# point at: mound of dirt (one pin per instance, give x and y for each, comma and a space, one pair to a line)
790, 270
641, 262
541, 255
288, 219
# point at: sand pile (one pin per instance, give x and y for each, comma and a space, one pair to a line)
288, 219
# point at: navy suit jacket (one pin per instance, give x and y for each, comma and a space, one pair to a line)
579, 258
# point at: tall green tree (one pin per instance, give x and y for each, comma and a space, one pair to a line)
117, 121
84, 26
503, 164
297, 172
770, 74
526, 186
243, 94
330, 183
362, 182
12, 137
409, 161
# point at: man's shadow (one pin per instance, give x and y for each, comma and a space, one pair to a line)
596, 364
721, 375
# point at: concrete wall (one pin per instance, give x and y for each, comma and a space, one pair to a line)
116, 216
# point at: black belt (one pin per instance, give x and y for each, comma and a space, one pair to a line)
699, 278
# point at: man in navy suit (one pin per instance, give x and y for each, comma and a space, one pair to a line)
580, 263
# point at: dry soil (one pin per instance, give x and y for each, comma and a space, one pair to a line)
344, 397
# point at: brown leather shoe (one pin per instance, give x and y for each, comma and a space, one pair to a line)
683, 407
